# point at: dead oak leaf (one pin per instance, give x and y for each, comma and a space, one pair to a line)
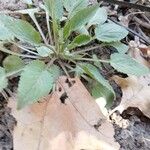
139, 52
136, 93
53, 125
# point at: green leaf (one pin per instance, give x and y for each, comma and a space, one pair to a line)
78, 71
69, 4
78, 5
29, 2
82, 30
94, 73
126, 64
3, 79
73, 6
54, 71
120, 47
35, 82
5, 34
44, 51
97, 63
13, 63
55, 8
110, 32
79, 20
21, 29
79, 40
98, 90
99, 18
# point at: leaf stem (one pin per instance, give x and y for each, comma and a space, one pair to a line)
25, 49
64, 69
86, 50
55, 30
51, 62
89, 59
38, 27
16, 54
14, 72
49, 30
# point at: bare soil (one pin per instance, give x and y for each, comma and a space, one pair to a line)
135, 137
7, 124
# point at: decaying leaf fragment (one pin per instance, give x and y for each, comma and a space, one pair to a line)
136, 90
136, 93
64, 120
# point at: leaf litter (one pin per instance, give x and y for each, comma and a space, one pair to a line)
131, 118
126, 82
68, 118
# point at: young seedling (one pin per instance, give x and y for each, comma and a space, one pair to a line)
43, 56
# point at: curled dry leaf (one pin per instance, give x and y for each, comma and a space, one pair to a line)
136, 93
136, 90
138, 51
64, 120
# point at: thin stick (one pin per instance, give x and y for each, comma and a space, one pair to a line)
142, 33
126, 4
142, 23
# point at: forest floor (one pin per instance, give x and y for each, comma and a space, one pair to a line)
132, 125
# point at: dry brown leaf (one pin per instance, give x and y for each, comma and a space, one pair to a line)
136, 90
136, 52
136, 93
52, 125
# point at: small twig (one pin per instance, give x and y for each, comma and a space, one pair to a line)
11, 94
126, 4
142, 33
142, 23
4, 95
145, 17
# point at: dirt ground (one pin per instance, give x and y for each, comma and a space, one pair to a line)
135, 137
7, 123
